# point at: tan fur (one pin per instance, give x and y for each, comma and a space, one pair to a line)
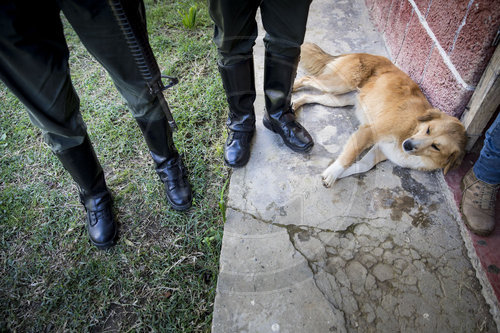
392, 111
314, 59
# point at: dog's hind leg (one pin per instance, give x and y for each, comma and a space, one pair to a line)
301, 82
326, 100
371, 158
327, 83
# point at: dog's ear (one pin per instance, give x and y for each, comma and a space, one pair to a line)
454, 160
430, 114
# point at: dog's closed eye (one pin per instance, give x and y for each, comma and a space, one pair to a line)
435, 147
428, 130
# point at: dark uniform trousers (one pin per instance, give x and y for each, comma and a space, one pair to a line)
34, 63
234, 35
236, 28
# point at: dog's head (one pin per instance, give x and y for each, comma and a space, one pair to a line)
438, 137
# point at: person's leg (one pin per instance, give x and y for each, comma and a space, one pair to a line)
487, 167
481, 183
99, 31
235, 29
234, 35
34, 65
285, 24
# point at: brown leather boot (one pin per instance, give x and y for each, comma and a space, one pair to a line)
478, 204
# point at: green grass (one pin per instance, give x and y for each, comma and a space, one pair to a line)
162, 274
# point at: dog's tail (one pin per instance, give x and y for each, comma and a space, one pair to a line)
313, 59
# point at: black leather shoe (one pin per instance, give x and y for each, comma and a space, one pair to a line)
291, 131
173, 174
169, 166
82, 164
237, 148
101, 225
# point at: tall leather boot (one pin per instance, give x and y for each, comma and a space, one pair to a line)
279, 74
169, 166
82, 164
239, 84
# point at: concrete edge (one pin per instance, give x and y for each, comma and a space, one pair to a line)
486, 290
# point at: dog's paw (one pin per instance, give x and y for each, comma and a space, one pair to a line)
327, 180
330, 175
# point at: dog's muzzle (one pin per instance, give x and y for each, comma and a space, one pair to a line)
409, 146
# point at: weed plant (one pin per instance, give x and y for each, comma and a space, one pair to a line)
189, 17
161, 276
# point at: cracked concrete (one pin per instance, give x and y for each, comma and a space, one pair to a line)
378, 252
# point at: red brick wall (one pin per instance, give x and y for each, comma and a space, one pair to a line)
443, 45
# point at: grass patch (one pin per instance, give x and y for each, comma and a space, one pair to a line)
162, 274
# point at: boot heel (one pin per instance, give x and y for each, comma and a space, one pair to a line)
268, 125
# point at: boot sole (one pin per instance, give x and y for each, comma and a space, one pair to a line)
235, 166
104, 246
180, 208
238, 165
269, 126
477, 232
107, 245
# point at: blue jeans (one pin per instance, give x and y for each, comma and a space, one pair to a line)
487, 167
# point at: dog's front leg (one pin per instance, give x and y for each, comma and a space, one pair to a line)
371, 158
332, 173
358, 142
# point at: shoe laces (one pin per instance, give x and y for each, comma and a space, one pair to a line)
96, 215
177, 173
485, 196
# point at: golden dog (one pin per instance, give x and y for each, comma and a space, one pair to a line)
397, 121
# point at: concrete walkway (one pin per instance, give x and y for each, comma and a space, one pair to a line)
379, 252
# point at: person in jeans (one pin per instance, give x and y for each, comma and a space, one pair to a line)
234, 36
481, 183
34, 65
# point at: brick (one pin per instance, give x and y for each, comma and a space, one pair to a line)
442, 89
473, 48
469, 48
399, 19
422, 6
444, 19
415, 50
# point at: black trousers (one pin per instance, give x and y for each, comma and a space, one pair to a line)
236, 28
34, 63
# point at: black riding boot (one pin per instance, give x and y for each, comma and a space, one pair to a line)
239, 84
279, 73
82, 164
169, 166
